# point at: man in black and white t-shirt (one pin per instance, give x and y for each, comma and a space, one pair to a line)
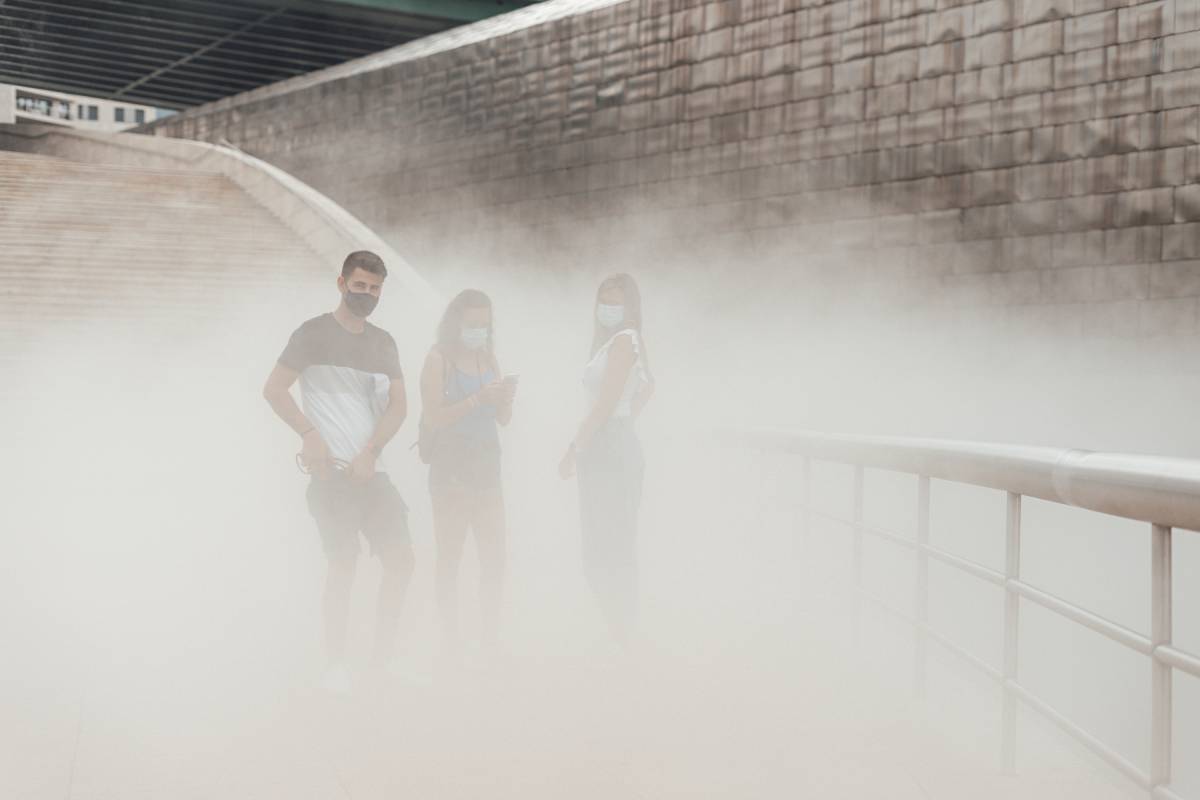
353, 394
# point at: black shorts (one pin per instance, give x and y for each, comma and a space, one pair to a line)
343, 507
476, 470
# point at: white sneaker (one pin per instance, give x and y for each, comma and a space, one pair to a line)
336, 679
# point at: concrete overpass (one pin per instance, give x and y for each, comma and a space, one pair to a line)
181, 53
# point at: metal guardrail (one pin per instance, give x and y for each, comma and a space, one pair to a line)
1164, 492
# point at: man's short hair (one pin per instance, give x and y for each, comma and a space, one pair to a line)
363, 259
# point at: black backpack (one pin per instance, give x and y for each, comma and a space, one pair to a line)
426, 435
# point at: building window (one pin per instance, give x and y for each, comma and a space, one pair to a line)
43, 106
93, 113
119, 114
139, 115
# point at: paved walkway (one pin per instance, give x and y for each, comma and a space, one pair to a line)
168, 661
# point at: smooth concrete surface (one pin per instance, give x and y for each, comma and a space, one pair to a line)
195, 679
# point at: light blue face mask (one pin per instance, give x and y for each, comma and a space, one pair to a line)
474, 338
610, 316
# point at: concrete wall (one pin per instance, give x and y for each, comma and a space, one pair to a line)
1037, 161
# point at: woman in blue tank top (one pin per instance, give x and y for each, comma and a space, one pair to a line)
463, 400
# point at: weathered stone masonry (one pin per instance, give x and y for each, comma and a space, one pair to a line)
1038, 159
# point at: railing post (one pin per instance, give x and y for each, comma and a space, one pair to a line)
1012, 630
922, 604
1160, 672
858, 550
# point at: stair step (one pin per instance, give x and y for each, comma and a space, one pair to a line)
154, 254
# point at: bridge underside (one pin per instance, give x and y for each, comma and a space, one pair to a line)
180, 53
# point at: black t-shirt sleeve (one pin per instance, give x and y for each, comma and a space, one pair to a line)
298, 353
391, 359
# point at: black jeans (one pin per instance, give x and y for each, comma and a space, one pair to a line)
342, 508
610, 474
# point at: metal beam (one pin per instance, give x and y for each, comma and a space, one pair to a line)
157, 27
147, 12
180, 52
325, 11
131, 52
67, 66
457, 10
102, 85
367, 24
367, 31
269, 40
77, 52
10, 73
90, 34
77, 83
201, 51
66, 63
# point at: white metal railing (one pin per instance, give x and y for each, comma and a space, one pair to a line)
1164, 492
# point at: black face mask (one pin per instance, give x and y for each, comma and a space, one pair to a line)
361, 303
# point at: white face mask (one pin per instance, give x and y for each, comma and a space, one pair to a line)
610, 316
474, 338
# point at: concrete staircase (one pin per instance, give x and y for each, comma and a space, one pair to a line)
85, 244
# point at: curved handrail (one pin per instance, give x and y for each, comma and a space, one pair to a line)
1156, 489
1164, 492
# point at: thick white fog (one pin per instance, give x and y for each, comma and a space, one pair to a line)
161, 578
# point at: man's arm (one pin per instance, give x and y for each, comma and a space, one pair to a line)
277, 392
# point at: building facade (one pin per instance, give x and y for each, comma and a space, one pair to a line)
23, 104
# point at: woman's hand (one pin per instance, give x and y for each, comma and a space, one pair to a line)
510, 392
495, 394
566, 467
505, 409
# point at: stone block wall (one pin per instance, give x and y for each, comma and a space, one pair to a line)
1033, 160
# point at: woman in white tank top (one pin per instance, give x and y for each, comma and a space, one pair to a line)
607, 455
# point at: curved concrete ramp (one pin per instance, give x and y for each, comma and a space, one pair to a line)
143, 228
122, 243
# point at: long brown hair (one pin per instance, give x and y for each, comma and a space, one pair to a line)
633, 313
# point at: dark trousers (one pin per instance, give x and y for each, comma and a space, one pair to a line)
610, 491
343, 508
